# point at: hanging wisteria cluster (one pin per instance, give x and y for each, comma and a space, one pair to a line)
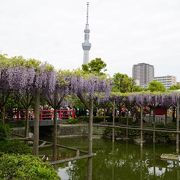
46, 80
165, 100
20, 78
24, 79
152, 100
90, 86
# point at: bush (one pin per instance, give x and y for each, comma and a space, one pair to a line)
83, 118
15, 147
5, 132
96, 119
25, 167
72, 121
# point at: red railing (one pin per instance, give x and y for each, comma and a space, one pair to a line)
47, 114
66, 114
61, 114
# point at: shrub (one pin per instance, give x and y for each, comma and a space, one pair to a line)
25, 167
96, 119
15, 147
4, 131
72, 121
83, 118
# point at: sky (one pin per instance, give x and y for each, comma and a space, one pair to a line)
123, 32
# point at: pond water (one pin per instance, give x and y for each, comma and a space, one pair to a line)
121, 160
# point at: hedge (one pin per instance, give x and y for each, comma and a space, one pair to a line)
25, 167
98, 119
4, 132
15, 146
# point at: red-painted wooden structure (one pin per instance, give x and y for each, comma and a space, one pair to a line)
61, 114
46, 114
160, 111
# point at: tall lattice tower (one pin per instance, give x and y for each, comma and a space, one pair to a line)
86, 45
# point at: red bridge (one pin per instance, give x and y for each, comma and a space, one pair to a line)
46, 116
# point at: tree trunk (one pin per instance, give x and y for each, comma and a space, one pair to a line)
90, 134
104, 115
173, 114
165, 122
27, 123
141, 126
127, 128
36, 123
55, 126
154, 126
3, 114
113, 136
177, 127
55, 136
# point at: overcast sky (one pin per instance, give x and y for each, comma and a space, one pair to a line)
123, 32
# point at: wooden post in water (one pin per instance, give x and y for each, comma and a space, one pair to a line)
127, 124
55, 135
90, 134
177, 126
113, 162
104, 115
141, 143
154, 126
55, 127
36, 123
154, 161
141, 161
113, 114
77, 153
27, 122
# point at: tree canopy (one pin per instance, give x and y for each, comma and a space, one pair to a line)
123, 83
175, 87
156, 86
96, 66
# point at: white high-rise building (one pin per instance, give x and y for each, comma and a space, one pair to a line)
167, 81
143, 73
86, 45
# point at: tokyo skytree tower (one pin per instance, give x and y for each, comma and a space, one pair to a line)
86, 45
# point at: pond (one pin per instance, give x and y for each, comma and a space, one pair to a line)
121, 160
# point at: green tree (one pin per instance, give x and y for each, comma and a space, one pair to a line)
123, 83
138, 88
14, 166
96, 66
156, 86
175, 87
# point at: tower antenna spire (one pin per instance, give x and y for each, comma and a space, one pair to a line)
86, 45
87, 14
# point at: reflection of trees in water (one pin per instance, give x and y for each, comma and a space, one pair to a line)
124, 163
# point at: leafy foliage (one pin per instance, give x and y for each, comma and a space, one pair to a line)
96, 66
175, 87
123, 83
4, 132
156, 86
16, 147
72, 121
25, 167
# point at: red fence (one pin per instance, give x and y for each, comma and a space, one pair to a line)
61, 114
46, 114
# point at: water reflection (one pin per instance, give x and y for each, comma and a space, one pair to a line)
122, 161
